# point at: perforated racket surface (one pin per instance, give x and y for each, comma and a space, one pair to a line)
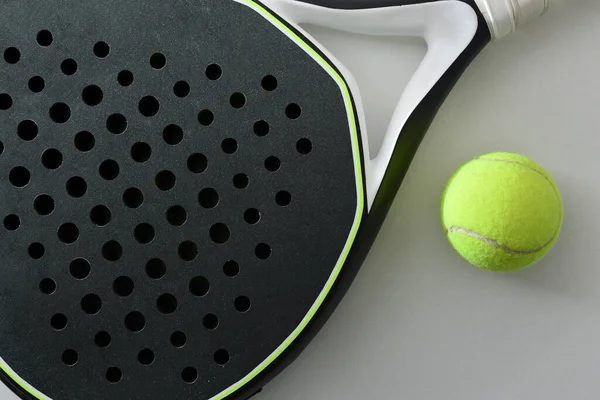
185, 191
177, 186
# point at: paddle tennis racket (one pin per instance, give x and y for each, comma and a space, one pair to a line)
186, 187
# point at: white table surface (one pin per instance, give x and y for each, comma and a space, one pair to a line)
421, 324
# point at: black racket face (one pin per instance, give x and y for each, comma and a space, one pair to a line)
178, 185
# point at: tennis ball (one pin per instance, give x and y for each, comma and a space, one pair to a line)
502, 212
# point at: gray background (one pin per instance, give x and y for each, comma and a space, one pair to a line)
419, 323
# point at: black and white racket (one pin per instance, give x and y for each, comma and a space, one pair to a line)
186, 187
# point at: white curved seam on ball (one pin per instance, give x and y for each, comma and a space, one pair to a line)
526, 166
518, 163
493, 243
552, 185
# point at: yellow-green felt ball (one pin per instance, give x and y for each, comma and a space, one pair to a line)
502, 212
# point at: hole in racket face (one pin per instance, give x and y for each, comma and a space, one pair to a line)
158, 61
60, 113
144, 233
208, 198
47, 286
181, 89
221, 356
70, 357
135, 321
145, 189
220, 233
269, 83
102, 339
189, 375
199, 286
210, 321
165, 180
114, 375
6, 101
125, 78
197, 163
101, 49
80, 268
36, 84
52, 158
59, 321
19, 176
146, 357
178, 339
123, 286
100, 215
91, 303
242, 304
149, 106
43, 204
156, 268
12, 222
27, 130
173, 134
206, 117
261, 128
109, 169
12, 55
36, 250
166, 303
241, 181
116, 123
133, 197
231, 268
76, 187
68, 233
44, 38
188, 250
214, 72
176, 215
68, 67
84, 141
112, 250
92, 95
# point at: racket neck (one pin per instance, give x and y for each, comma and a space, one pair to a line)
505, 16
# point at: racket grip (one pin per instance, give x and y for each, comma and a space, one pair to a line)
504, 17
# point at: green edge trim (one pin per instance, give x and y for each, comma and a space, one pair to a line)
333, 278
17, 379
361, 203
